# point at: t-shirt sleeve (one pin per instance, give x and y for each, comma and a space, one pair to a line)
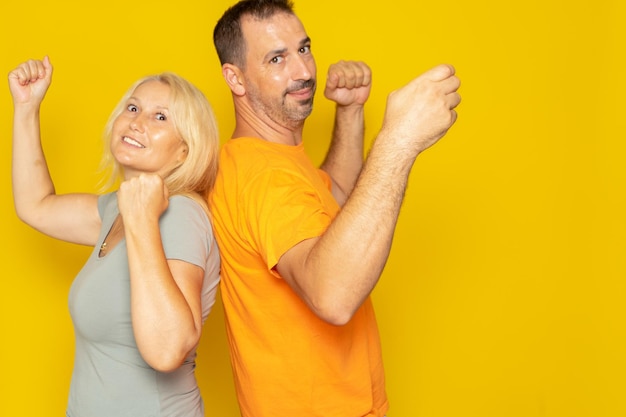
283, 209
186, 231
104, 201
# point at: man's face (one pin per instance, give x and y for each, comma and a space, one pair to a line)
280, 69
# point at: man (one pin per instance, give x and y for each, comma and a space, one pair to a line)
303, 248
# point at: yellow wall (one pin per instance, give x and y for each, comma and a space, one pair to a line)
504, 295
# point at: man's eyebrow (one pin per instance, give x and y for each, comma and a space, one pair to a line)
274, 52
281, 51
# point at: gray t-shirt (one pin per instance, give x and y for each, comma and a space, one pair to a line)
110, 378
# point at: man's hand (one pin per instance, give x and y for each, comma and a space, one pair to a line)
348, 83
422, 111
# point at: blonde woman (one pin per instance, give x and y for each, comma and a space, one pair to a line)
139, 302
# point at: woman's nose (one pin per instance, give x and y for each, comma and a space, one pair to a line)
137, 123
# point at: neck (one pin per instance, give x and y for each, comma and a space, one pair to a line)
250, 124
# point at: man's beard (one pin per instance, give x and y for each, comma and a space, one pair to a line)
305, 107
291, 114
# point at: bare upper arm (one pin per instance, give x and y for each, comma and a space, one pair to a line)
70, 217
292, 268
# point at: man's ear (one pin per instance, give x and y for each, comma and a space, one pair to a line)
234, 78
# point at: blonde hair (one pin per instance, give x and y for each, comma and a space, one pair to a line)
194, 121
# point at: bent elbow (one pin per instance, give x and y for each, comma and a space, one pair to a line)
30, 217
167, 359
24, 216
339, 319
336, 315
165, 363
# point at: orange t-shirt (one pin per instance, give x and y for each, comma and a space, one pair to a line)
287, 362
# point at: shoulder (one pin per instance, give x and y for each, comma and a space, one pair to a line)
183, 208
185, 219
183, 202
248, 163
107, 202
258, 153
186, 229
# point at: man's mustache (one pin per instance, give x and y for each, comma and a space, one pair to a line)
300, 85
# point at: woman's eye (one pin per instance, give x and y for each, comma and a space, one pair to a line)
132, 107
161, 116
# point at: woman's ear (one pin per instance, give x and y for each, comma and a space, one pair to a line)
234, 78
184, 151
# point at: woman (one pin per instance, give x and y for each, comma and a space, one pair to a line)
139, 302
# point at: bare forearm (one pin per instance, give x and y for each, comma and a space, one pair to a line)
344, 160
345, 263
71, 217
337, 271
163, 322
31, 179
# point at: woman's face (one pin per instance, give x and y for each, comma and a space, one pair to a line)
144, 138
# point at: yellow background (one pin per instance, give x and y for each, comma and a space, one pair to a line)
504, 294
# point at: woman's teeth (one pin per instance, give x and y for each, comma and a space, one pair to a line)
132, 141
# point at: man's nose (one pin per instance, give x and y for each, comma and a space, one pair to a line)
301, 68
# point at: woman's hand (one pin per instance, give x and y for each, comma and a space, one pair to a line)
144, 197
29, 82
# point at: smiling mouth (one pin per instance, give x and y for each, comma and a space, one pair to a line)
307, 92
302, 89
132, 142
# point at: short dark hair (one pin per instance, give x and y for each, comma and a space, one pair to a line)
227, 35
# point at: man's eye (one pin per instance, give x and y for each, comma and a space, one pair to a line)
305, 49
276, 60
